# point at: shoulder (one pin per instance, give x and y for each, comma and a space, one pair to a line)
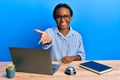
49, 30
76, 33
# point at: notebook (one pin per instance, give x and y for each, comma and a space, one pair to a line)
95, 67
33, 60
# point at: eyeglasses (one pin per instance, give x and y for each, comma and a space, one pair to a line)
64, 16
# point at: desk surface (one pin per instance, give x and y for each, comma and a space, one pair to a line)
81, 74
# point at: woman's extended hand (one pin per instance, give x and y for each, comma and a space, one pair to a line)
45, 38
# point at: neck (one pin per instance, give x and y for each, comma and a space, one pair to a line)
64, 31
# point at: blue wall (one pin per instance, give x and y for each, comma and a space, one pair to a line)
98, 21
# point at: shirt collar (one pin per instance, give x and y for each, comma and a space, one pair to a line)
71, 32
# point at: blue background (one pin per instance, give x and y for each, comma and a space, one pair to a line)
98, 21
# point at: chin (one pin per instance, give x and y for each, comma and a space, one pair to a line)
63, 27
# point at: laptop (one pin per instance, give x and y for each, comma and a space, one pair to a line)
33, 60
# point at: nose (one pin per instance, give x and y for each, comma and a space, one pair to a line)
62, 19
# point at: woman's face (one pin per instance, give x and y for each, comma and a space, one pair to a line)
63, 18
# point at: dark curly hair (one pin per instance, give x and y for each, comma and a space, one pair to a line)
59, 6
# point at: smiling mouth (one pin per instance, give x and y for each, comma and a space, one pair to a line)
63, 24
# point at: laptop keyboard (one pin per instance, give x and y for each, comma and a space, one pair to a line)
55, 67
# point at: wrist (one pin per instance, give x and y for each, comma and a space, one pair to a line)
76, 58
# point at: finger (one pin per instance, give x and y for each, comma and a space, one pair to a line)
44, 42
43, 37
38, 31
64, 60
39, 42
68, 59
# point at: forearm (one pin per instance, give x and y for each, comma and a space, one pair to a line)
68, 59
76, 58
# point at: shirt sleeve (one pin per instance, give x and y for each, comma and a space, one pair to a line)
80, 50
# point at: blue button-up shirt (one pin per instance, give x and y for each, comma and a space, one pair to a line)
61, 46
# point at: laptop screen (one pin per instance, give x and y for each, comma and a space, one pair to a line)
32, 60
